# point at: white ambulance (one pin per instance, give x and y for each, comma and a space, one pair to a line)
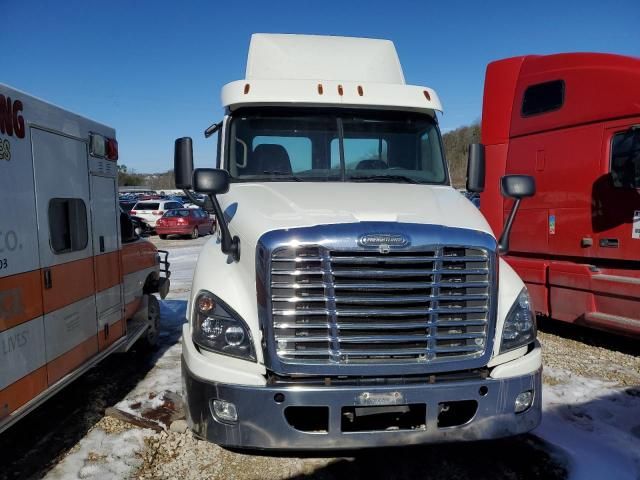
76, 282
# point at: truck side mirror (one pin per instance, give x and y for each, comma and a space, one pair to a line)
516, 187
183, 163
475, 168
211, 181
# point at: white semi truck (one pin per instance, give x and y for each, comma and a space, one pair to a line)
352, 298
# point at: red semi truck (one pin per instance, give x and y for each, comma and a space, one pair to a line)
572, 121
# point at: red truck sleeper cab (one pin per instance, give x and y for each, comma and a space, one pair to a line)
570, 120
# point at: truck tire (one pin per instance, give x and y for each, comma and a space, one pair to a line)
150, 339
163, 237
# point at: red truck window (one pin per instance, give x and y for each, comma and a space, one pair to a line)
625, 159
543, 97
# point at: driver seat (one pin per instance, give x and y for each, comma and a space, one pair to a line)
269, 157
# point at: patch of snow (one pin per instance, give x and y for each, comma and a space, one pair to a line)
593, 422
103, 456
166, 374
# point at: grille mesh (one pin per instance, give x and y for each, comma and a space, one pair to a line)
333, 307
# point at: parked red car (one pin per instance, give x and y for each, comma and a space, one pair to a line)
185, 221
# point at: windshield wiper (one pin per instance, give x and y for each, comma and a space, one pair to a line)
390, 178
283, 174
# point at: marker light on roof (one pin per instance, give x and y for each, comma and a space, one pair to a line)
426, 95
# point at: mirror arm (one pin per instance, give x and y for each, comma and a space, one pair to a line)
503, 243
229, 245
195, 200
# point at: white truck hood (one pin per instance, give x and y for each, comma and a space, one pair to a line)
256, 208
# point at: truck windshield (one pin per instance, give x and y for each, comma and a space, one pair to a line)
353, 147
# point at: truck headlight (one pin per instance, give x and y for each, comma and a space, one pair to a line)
520, 325
216, 327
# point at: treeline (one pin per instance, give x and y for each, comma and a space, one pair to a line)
456, 146
156, 181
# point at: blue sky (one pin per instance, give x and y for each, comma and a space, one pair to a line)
153, 70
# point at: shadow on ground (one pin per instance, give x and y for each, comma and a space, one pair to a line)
34, 444
523, 458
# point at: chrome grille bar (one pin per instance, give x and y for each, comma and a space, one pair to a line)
362, 307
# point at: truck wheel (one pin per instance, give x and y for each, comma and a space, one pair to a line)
196, 233
162, 237
150, 338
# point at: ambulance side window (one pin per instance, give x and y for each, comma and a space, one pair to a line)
68, 225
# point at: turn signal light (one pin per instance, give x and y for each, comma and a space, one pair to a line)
205, 304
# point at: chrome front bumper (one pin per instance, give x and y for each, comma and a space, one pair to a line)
262, 424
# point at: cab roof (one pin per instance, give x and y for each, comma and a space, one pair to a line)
285, 69
594, 87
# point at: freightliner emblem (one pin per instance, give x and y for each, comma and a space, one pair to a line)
384, 241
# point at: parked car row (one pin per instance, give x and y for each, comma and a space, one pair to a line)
185, 221
169, 217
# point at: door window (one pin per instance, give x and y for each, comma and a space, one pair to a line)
625, 159
67, 225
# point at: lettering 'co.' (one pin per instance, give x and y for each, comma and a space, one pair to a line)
11, 119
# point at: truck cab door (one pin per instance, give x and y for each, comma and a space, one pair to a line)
66, 250
615, 204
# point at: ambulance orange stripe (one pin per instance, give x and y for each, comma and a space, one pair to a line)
70, 282
116, 331
65, 363
21, 295
137, 256
107, 270
20, 299
21, 391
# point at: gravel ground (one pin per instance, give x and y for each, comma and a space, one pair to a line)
171, 455
590, 353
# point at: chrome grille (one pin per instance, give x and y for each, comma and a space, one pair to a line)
367, 307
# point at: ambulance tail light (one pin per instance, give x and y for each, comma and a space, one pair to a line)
103, 147
112, 149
